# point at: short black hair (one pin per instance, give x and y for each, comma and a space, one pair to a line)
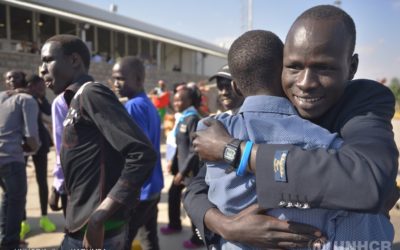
24, 83
34, 78
255, 60
176, 85
135, 64
73, 44
195, 94
192, 92
330, 12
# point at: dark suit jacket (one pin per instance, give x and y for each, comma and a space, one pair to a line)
186, 160
359, 177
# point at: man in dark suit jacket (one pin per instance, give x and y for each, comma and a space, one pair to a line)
318, 68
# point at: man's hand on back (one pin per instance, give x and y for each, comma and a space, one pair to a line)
253, 227
210, 142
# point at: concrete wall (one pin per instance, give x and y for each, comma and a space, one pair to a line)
29, 63
213, 63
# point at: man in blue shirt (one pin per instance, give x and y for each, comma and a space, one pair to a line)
128, 77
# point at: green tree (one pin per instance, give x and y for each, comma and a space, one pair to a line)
395, 87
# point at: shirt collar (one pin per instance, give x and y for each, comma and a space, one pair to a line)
140, 94
72, 88
268, 104
189, 109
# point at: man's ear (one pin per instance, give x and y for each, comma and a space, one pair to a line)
76, 60
353, 66
235, 88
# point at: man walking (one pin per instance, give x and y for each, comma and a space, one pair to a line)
105, 156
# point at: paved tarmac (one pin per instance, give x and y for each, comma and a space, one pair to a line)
39, 240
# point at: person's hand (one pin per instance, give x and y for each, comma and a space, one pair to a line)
154, 91
17, 91
253, 227
210, 142
94, 236
178, 179
169, 166
54, 200
26, 148
11, 92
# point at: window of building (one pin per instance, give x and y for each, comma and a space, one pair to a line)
67, 27
104, 45
46, 27
3, 21
145, 49
87, 34
154, 51
119, 44
132, 46
21, 24
90, 34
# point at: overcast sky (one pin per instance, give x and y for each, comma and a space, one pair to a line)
221, 21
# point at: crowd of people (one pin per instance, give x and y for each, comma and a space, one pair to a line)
284, 164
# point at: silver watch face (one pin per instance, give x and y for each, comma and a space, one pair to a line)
229, 154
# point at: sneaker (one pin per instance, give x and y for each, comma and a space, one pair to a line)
136, 245
47, 225
169, 230
25, 228
188, 244
22, 244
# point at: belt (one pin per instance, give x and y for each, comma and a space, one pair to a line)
78, 235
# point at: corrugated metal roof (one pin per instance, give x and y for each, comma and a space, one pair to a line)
100, 17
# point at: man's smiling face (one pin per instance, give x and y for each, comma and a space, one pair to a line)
317, 65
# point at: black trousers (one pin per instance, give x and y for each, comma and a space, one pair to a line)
174, 205
40, 162
174, 211
143, 223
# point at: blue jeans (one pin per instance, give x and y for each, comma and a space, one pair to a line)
14, 183
114, 243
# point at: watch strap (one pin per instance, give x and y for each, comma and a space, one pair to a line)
233, 145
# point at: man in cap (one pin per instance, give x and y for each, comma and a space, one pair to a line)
230, 100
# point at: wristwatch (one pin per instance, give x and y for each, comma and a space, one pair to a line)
232, 153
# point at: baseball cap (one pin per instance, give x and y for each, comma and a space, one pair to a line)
222, 72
